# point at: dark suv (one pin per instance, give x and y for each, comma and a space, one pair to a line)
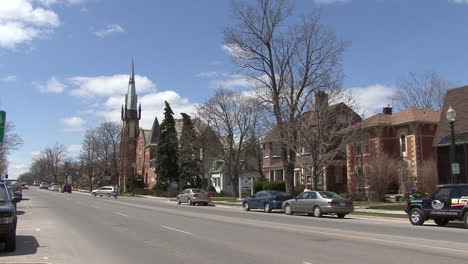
8, 218
449, 203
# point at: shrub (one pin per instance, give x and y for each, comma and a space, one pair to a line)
269, 185
298, 189
165, 193
211, 189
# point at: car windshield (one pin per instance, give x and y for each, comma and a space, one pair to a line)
3, 194
329, 195
12, 183
275, 193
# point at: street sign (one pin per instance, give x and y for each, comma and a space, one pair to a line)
2, 125
246, 183
455, 168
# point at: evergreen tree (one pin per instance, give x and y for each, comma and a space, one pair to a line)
167, 168
189, 155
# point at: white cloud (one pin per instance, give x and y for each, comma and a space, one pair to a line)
110, 29
72, 124
53, 2
206, 74
52, 86
74, 150
35, 154
459, 1
326, 2
20, 22
108, 85
16, 168
373, 98
10, 78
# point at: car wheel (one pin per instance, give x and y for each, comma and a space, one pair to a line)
108, 195
10, 243
205, 204
465, 219
317, 211
178, 200
94, 194
441, 222
267, 208
416, 216
340, 215
288, 210
246, 206
189, 202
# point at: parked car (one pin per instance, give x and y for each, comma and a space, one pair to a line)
266, 200
16, 186
36, 183
8, 218
24, 185
43, 185
193, 196
55, 188
12, 195
66, 188
449, 202
319, 203
104, 190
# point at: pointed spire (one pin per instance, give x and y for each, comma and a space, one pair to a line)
131, 97
155, 132
139, 111
122, 113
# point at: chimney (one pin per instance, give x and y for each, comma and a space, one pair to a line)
387, 110
321, 100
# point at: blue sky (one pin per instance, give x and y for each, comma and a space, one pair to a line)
64, 64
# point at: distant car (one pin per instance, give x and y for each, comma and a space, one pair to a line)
16, 186
43, 185
66, 188
193, 196
24, 186
104, 190
319, 203
55, 188
8, 218
266, 200
36, 183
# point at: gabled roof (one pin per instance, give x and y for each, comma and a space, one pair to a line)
409, 115
145, 134
154, 136
458, 99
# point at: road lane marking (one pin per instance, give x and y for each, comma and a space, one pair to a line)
28, 229
307, 229
121, 214
174, 229
97, 207
306, 262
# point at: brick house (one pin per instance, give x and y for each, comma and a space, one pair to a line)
457, 98
334, 176
146, 154
404, 136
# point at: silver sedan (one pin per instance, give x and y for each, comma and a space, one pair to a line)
319, 203
193, 196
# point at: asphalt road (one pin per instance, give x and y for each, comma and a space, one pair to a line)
78, 228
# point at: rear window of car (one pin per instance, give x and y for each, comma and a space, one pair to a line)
277, 193
3, 194
198, 191
329, 195
12, 183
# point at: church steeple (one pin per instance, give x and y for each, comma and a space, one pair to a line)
131, 99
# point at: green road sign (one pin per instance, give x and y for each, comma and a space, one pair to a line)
2, 125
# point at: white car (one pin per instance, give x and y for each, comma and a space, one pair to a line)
55, 187
105, 190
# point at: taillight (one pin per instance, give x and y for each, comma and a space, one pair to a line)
209, 194
349, 203
333, 203
195, 195
407, 205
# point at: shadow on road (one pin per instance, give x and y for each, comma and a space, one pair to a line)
19, 212
25, 245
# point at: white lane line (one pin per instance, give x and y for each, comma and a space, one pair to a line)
170, 228
306, 262
97, 207
121, 214
28, 229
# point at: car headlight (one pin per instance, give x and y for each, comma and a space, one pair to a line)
6, 219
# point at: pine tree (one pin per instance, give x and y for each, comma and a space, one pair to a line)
189, 155
167, 168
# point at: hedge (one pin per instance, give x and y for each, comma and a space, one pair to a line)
269, 185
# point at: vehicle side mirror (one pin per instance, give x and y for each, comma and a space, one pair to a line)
15, 200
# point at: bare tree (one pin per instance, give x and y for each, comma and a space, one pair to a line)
88, 155
325, 132
423, 90
11, 141
107, 142
384, 172
232, 116
285, 62
427, 180
52, 158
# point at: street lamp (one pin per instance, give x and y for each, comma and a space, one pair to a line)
455, 169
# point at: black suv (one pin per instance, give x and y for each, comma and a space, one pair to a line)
8, 218
450, 202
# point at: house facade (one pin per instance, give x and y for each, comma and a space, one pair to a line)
146, 154
333, 177
456, 98
403, 139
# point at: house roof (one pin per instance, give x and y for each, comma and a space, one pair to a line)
409, 115
458, 99
146, 134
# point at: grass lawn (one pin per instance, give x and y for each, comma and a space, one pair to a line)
392, 207
224, 199
380, 215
